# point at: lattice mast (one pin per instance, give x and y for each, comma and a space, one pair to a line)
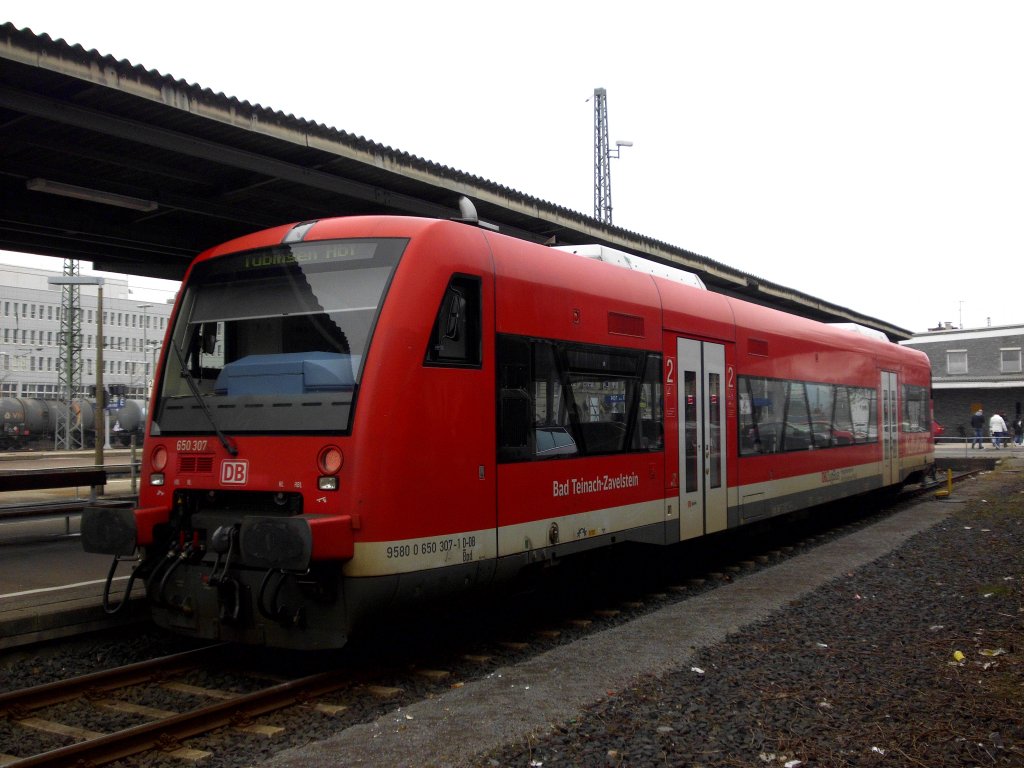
68, 432
602, 159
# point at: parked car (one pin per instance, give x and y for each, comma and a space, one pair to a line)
937, 429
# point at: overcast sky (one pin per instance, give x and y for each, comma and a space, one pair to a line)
868, 153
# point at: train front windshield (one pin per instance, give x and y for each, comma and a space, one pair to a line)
274, 340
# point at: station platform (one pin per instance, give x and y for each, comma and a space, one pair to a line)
50, 588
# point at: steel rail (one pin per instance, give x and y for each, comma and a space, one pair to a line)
160, 733
27, 699
922, 490
165, 732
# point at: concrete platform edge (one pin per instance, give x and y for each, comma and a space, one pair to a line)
533, 697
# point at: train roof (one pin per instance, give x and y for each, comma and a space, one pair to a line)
685, 306
633, 262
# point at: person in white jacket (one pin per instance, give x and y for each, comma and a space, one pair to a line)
997, 429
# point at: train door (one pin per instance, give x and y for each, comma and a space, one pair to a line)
890, 431
703, 503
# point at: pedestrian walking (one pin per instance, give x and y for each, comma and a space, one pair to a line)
997, 429
1018, 430
978, 425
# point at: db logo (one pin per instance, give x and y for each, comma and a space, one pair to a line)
234, 472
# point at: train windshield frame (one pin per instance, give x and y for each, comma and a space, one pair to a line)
274, 340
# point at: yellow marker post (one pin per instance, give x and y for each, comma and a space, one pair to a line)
948, 490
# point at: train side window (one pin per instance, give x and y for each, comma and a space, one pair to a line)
762, 415
797, 434
864, 409
557, 399
779, 415
604, 385
688, 416
455, 340
553, 431
745, 400
821, 399
515, 409
842, 420
916, 413
649, 434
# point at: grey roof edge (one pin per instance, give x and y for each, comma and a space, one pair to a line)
74, 60
944, 334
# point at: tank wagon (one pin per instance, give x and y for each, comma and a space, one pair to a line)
355, 412
30, 423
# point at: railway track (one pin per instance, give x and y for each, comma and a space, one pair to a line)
118, 691
135, 698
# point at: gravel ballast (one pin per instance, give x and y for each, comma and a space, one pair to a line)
899, 644
847, 655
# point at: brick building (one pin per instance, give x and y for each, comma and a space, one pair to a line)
972, 368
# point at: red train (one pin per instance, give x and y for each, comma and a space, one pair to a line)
354, 412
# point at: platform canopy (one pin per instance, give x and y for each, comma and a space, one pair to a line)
105, 161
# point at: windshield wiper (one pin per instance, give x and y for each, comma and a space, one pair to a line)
194, 388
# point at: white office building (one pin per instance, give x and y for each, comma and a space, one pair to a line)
30, 314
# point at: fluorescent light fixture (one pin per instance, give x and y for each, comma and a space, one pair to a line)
92, 195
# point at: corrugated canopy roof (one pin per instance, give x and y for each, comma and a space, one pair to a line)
211, 167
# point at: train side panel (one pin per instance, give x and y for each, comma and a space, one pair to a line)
422, 445
550, 302
774, 346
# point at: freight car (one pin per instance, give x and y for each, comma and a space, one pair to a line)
355, 412
29, 423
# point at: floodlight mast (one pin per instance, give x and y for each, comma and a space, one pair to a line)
603, 155
70, 367
69, 432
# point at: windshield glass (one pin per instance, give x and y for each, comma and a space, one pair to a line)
274, 340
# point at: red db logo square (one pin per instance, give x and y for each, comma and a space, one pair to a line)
234, 472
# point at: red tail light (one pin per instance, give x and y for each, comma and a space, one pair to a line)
158, 459
330, 460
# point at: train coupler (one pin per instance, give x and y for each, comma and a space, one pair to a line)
275, 610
